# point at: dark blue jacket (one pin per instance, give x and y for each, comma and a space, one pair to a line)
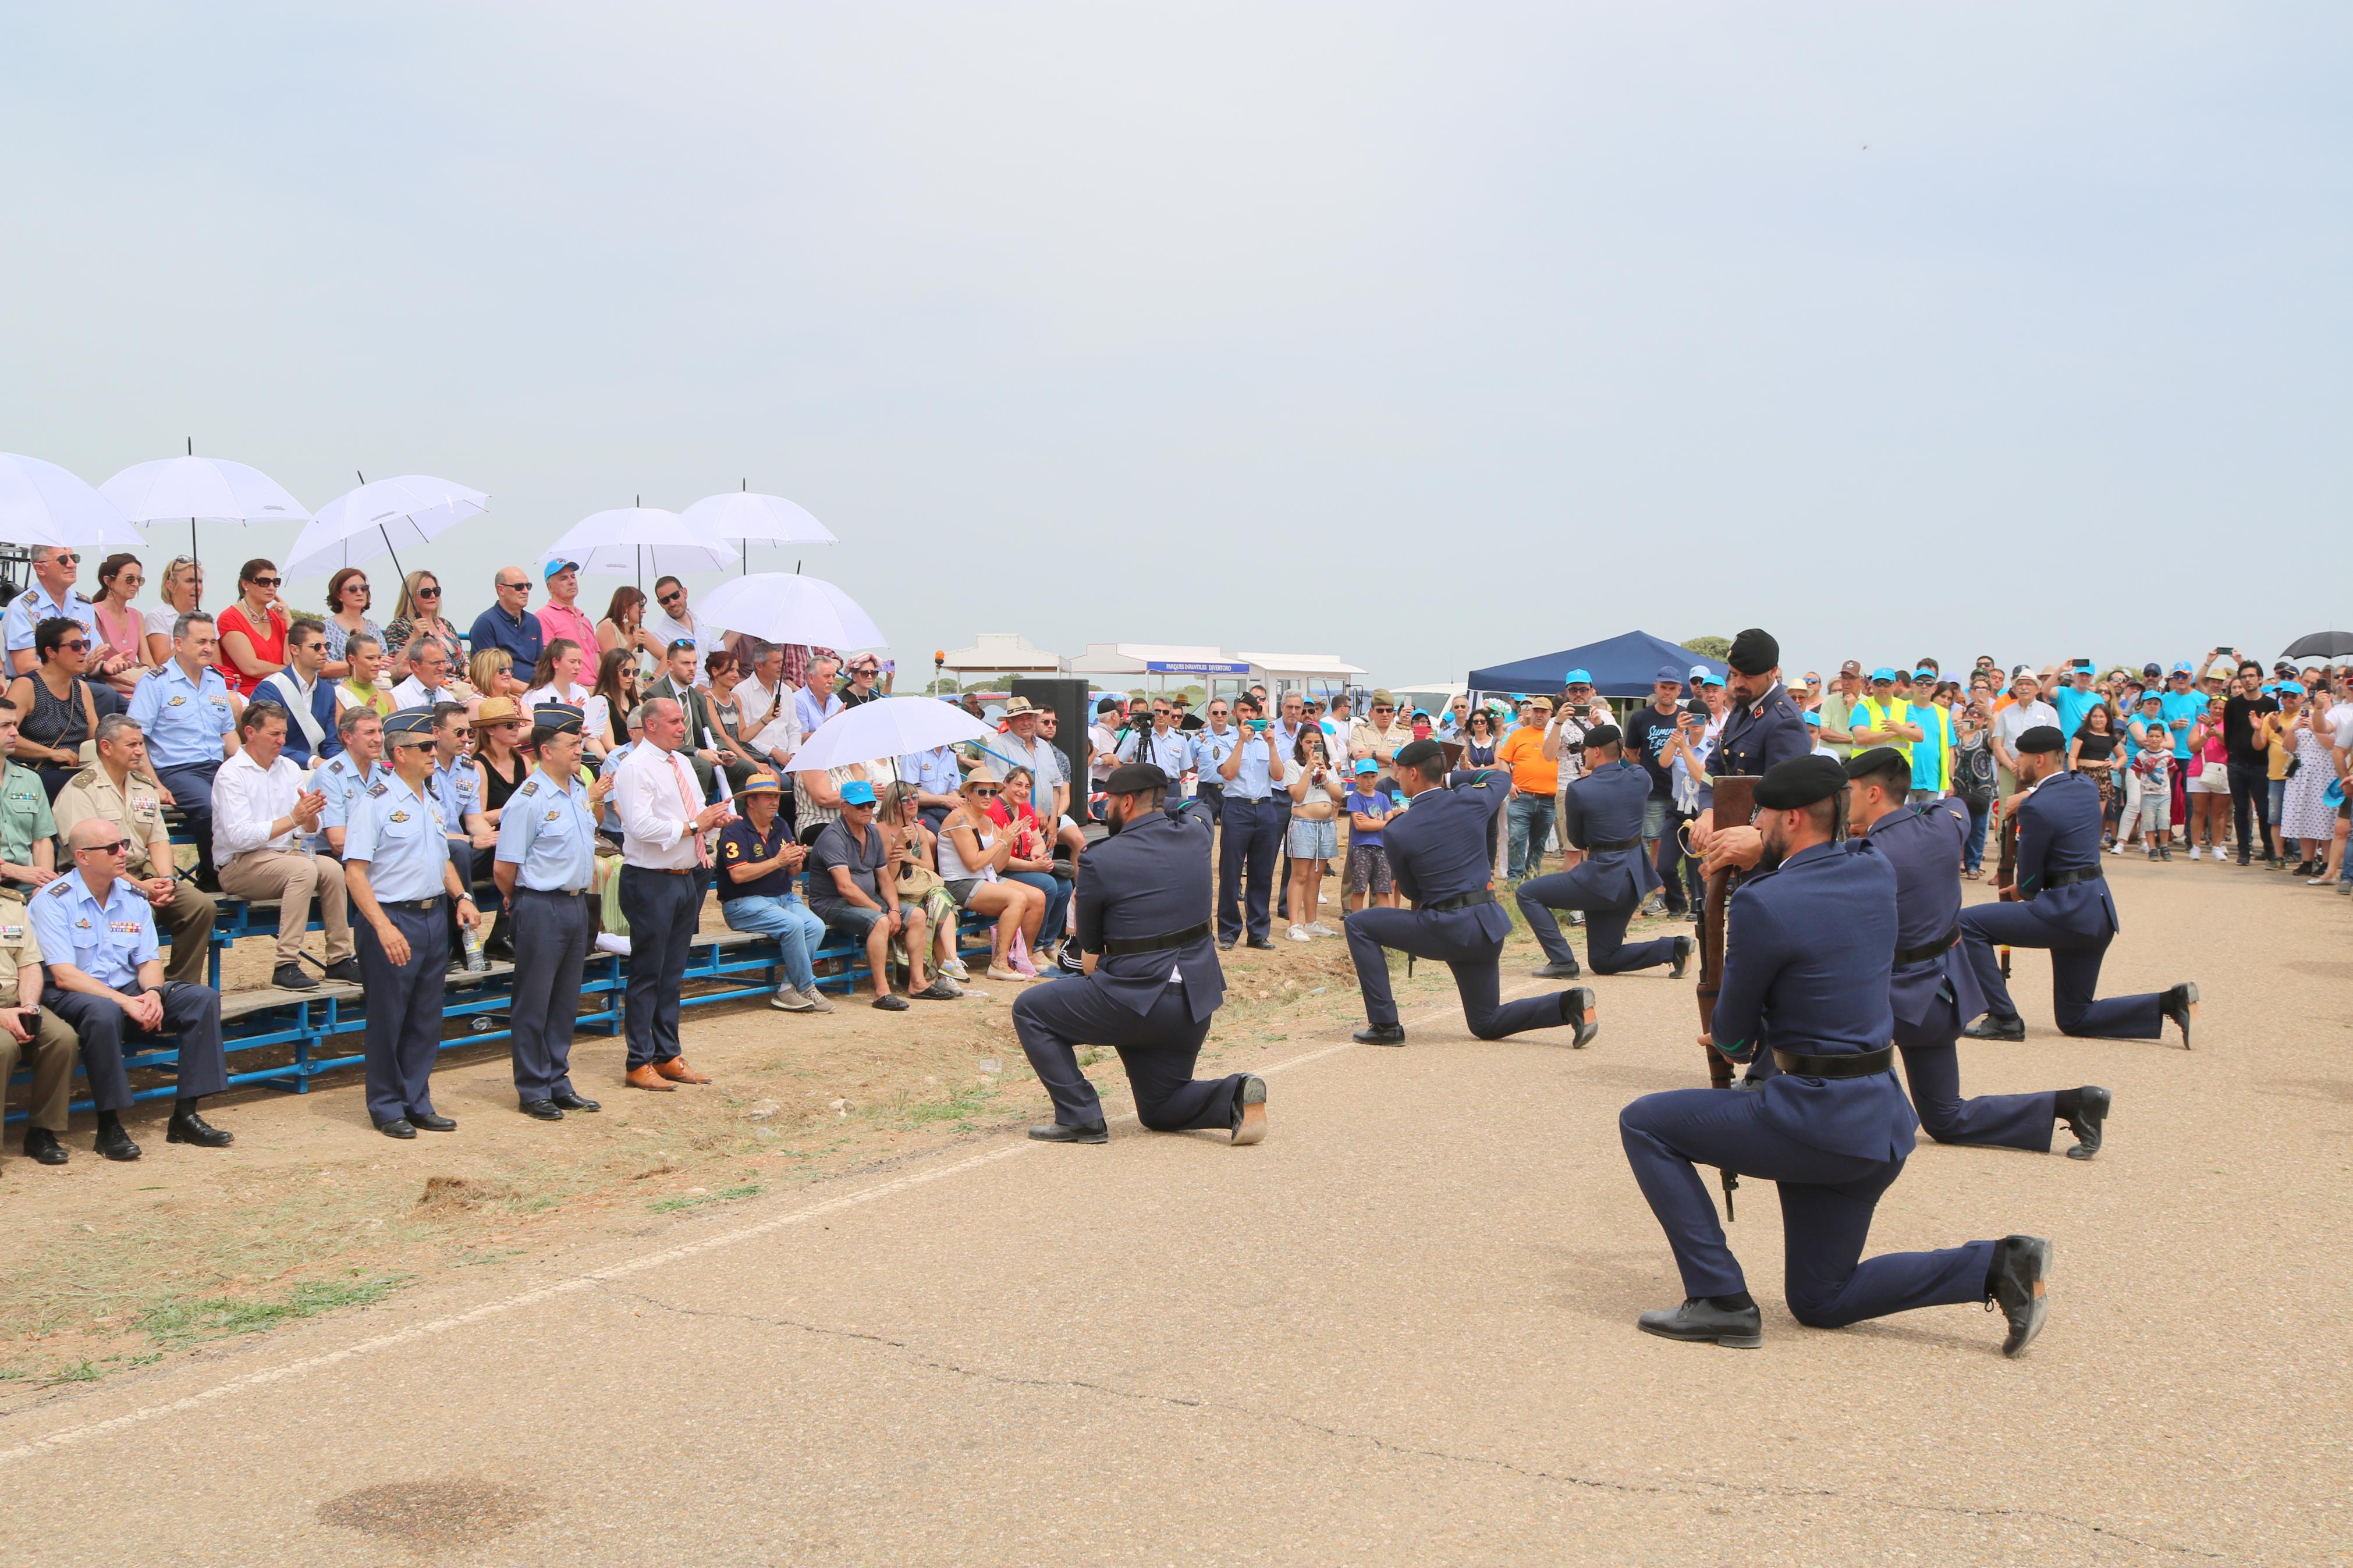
1808, 952
1149, 880
1605, 807
2059, 830
1923, 843
322, 709
1440, 848
1755, 736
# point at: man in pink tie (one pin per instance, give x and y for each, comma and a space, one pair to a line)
665, 863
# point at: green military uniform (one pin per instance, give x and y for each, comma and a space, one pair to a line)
25, 818
52, 1046
138, 811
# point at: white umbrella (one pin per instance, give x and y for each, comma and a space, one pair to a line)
41, 503
784, 606
379, 518
634, 538
199, 490
744, 516
888, 727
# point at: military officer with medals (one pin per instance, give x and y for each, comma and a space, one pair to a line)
117, 789
397, 869
1810, 949
1762, 728
546, 870
1152, 979
1442, 855
1601, 813
2064, 905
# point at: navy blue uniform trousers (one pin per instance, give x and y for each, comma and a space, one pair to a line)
1253, 841
191, 1013
404, 1009
1826, 1205
1452, 937
1932, 1071
1605, 926
2074, 974
1158, 1049
551, 944
661, 908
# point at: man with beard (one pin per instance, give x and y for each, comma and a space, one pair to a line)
1151, 980
1811, 940
1762, 731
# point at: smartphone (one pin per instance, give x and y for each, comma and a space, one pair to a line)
1258, 726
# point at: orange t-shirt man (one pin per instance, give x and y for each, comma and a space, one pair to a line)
1523, 753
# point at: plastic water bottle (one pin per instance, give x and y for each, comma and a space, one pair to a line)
472, 941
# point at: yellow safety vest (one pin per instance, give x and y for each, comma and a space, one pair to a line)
1878, 718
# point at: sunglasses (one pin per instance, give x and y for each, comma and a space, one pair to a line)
120, 846
670, 598
988, 792
68, 558
1379, 708
78, 645
429, 592
514, 588
264, 582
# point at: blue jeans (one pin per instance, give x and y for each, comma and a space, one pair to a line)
1057, 900
1529, 821
796, 927
1973, 851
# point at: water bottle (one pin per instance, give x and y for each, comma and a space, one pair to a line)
473, 941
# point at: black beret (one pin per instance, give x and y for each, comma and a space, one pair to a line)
1801, 781
1421, 756
1603, 735
2042, 738
1878, 760
1135, 778
1754, 652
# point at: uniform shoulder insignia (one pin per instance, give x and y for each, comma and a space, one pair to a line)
62, 887
1479, 782
532, 788
376, 789
88, 775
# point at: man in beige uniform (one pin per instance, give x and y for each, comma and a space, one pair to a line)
1380, 734
116, 788
48, 1042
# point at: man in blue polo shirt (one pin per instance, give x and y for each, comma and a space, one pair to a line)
507, 625
758, 859
2182, 706
183, 709
2075, 699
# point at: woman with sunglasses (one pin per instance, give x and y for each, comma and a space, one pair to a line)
183, 590
624, 628
974, 851
616, 697
1478, 739
490, 672
56, 709
120, 655
348, 597
418, 615
253, 630
913, 850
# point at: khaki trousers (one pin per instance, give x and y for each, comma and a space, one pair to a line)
293, 876
51, 1051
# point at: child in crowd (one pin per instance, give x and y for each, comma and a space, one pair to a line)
1368, 882
2148, 790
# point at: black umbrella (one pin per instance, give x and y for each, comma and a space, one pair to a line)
2321, 644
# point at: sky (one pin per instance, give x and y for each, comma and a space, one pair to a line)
1428, 336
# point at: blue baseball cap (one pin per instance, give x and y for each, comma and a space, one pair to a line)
1814, 718
557, 568
2152, 695
1883, 673
1367, 765
1669, 674
1700, 672
1924, 672
2180, 666
1577, 677
2295, 686
856, 792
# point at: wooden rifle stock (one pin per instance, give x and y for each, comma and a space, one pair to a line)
1736, 799
2005, 875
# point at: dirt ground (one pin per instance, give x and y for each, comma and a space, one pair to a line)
119, 1265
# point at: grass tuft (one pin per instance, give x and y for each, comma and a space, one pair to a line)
178, 1320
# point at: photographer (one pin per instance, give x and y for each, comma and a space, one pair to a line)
1314, 829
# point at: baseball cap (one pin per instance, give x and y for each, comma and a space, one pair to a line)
1669, 673
2292, 686
1579, 677
556, 568
1924, 673
2152, 669
2180, 666
1883, 673
1852, 666
1367, 765
1701, 672
1814, 717
856, 792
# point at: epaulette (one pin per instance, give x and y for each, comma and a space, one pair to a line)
88, 775
377, 789
530, 788
62, 887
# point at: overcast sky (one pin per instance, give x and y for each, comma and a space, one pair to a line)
1431, 336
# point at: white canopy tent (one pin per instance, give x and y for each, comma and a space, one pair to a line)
1000, 653
1306, 672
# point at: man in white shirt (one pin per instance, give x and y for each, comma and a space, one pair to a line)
665, 868
759, 694
2024, 712
262, 820
430, 677
674, 623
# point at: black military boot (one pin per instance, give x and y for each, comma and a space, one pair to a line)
2085, 1117
1703, 1319
2018, 1283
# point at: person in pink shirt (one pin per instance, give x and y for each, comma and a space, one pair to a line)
560, 617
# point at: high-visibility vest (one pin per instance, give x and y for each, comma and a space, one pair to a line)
1878, 718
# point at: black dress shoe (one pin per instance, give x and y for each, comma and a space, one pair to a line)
187, 1127
1263, 943
2092, 1104
41, 1147
2019, 1286
1557, 969
1250, 1109
292, 977
542, 1110
428, 1122
398, 1127
1055, 1132
568, 1101
1685, 948
1380, 1034
346, 971
1227, 944
2181, 1006
115, 1144
1577, 1007
1702, 1321
1991, 1027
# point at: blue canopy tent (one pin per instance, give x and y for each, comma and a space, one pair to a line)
1621, 667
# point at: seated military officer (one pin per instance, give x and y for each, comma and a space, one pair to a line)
115, 789
36, 1033
97, 939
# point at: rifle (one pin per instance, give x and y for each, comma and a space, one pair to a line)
2005, 875
1735, 804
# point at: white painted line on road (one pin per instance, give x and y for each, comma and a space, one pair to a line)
67, 1436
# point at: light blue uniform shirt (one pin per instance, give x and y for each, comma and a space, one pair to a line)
814, 710
28, 609
458, 791
397, 832
1210, 751
548, 831
612, 765
1249, 781
934, 771
339, 780
107, 941
183, 720
1171, 753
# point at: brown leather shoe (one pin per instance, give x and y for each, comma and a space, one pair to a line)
647, 1078
677, 1071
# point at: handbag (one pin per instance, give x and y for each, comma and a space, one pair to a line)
918, 882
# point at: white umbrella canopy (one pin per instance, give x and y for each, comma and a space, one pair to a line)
747, 515
784, 606
41, 503
379, 518
193, 490
639, 539
888, 727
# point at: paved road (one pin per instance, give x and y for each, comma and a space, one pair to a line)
1399, 1331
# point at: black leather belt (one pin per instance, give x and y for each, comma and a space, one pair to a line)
2069, 879
419, 906
1120, 947
552, 892
1461, 901
1604, 846
1904, 955
1846, 1064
